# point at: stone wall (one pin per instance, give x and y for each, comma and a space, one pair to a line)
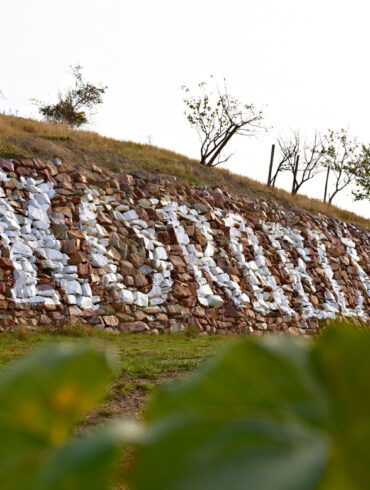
149, 253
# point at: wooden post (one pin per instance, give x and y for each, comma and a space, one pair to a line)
271, 165
326, 183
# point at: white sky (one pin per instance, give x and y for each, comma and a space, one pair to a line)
305, 62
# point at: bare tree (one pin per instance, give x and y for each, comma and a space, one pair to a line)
75, 106
303, 159
311, 162
217, 117
343, 160
288, 150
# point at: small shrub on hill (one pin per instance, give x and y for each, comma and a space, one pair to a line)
75, 106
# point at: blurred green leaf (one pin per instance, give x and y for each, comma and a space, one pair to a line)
87, 462
41, 398
271, 413
341, 361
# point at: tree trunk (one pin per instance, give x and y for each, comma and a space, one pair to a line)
295, 183
219, 149
332, 196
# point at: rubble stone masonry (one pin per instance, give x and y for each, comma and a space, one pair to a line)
144, 252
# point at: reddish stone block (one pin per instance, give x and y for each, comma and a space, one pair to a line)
3, 305
177, 261
124, 179
27, 162
6, 165
140, 280
6, 263
111, 321
181, 291
63, 178
65, 210
143, 214
70, 246
77, 257
24, 171
84, 269
45, 320
134, 327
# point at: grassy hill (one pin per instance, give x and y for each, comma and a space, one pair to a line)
30, 138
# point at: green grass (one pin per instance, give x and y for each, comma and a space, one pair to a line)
140, 356
141, 359
7, 150
143, 362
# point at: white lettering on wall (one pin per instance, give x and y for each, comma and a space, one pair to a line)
256, 271
25, 235
333, 304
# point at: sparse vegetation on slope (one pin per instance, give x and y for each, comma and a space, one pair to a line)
27, 137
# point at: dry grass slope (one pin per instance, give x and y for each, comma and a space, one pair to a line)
12, 126
27, 137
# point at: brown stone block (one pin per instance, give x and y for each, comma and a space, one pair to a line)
164, 237
65, 210
63, 178
45, 320
232, 311
6, 165
249, 313
199, 311
111, 321
70, 246
177, 310
125, 317
189, 302
125, 180
128, 281
76, 234
136, 260
161, 317
77, 257
181, 291
177, 261
134, 327
314, 299
6, 263
84, 269
74, 311
140, 280
3, 305
24, 171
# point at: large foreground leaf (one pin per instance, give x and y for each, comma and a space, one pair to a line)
88, 462
270, 413
41, 398
341, 361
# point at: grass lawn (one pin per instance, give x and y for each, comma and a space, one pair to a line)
143, 362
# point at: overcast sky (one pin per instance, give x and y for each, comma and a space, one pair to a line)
306, 63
